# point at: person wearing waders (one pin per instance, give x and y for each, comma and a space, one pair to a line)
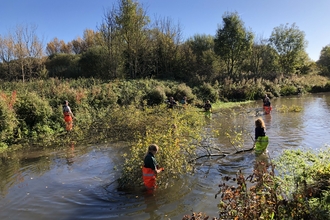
267, 105
261, 139
68, 116
150, 168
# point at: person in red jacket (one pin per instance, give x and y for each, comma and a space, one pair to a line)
150, 168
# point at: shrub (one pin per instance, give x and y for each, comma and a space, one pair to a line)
33, 112
8, 121
155, 96
174, 140
183, 90
207, 92
288, 90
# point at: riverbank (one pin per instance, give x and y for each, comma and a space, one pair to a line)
32, 111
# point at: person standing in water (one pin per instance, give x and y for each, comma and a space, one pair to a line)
267, 105
150, 168
260, 138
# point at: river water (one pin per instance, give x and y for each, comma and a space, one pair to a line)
79, 182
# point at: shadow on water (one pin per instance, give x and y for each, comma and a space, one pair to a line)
79, 182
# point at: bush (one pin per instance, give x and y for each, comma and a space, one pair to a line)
174, 140
155, 96
207, 92
8, 118
33, 112
288, 90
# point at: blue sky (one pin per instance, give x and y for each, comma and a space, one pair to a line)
67, 19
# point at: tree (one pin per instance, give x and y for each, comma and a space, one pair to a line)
7, 53
22, 51
93, 62
166, 38
289, 42
324, 60
110, 39
63, 65
58, 46
203, 48
233, 42
132, 21
77, 45
258, 50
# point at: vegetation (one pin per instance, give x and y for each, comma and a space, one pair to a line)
117, 78
297, 189
128, 45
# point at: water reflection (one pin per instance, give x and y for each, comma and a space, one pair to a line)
151, 206
79, 182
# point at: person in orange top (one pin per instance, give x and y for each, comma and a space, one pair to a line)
150, 168
68, 116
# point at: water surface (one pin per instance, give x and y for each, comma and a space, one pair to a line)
78, 182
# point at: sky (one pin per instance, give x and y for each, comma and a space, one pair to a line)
67, 19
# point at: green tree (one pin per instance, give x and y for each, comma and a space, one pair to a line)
324, 60
63, 65
233, 42
132, 22
289, 42
93, 62
258, 50
203, 48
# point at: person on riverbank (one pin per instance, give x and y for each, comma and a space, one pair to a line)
150, 168
184, 101
68, 116
267, 105
207, 108
171, 103
260, 138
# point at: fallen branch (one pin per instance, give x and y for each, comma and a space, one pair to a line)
221, 155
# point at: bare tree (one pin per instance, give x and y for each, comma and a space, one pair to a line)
109, 33
168, 37
7, 52
28, 49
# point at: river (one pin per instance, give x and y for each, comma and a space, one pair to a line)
79, 182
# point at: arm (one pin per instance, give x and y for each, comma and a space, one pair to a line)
158, 169
70, 112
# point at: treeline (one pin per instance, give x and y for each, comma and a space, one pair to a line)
126, 45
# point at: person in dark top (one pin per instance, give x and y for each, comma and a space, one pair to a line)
150, 168
267, 105
260, 128
260, 138
207, 106
266, 101
171, 103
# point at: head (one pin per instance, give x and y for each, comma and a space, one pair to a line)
208, 101
260, 123
266, 96
65, 102
153, 148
